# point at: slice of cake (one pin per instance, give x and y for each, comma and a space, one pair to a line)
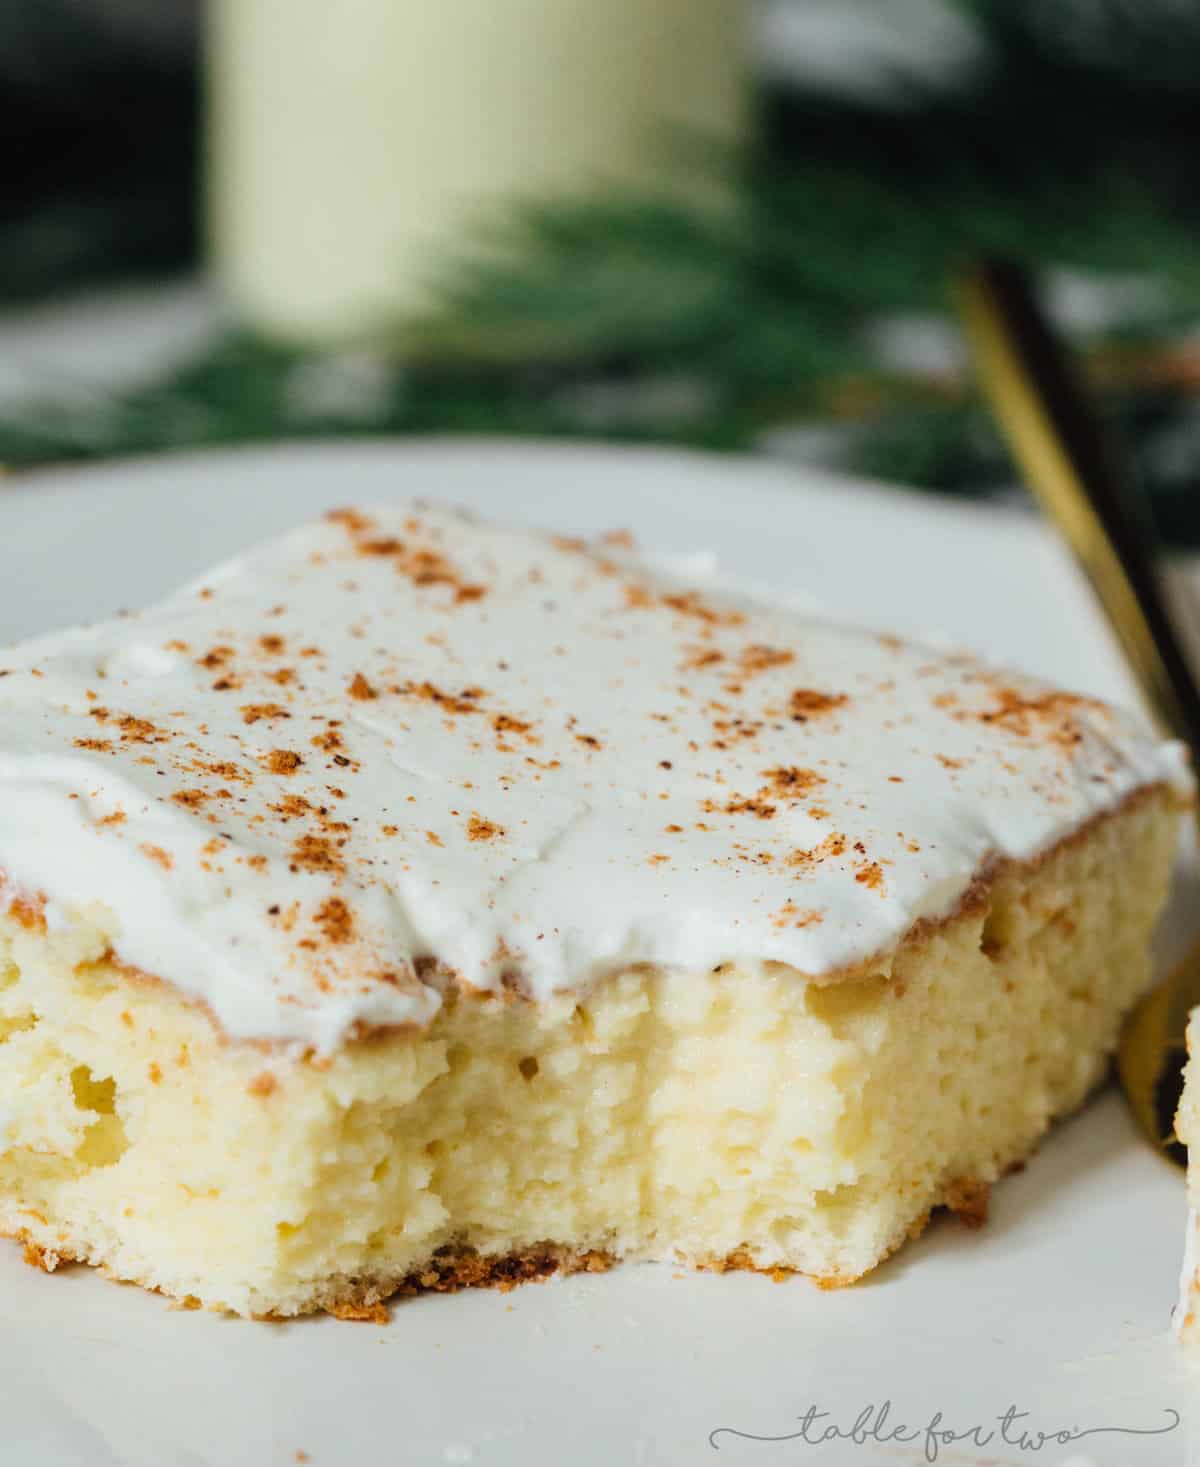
413, 903
1187, 1129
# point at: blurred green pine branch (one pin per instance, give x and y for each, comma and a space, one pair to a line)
1068, 142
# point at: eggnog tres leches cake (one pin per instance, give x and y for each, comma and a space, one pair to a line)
412, 903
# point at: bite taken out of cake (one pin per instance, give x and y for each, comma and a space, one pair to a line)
412, 903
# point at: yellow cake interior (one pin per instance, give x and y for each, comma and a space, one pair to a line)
736, 1115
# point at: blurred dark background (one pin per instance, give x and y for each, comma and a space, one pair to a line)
894, 141
99, 110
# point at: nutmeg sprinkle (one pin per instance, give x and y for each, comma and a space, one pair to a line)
361, 689
282, 761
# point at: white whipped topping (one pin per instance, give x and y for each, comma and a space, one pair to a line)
1187, 1272
404, 736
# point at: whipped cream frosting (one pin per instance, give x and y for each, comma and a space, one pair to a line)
398, 748
1187, 1272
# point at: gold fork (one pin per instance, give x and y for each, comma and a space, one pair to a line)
1084, 487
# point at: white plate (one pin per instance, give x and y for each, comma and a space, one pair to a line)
1059, 1308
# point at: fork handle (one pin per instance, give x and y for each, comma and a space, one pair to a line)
1082, 484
